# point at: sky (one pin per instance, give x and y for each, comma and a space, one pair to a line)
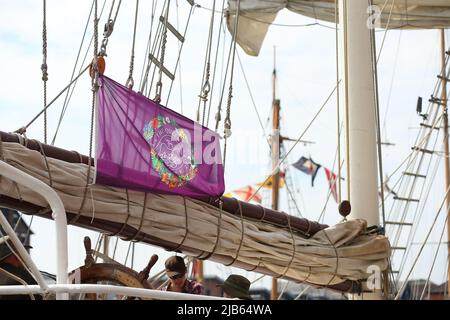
306, 69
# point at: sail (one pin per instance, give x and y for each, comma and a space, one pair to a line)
256, 16
330, 256
145, 146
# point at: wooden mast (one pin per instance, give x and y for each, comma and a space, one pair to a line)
275, 155
446, 148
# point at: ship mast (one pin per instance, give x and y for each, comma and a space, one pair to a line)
358, 98
275, 155
446, 148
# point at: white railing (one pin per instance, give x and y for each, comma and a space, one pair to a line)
58, 213
106, 289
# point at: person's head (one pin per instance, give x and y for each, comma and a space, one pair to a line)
176, 270
236, 286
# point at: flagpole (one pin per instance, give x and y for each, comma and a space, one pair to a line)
275, 156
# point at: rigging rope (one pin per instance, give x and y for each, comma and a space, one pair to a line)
148, 47
275, 170
206, 86
68, 93
130, 81
227, 121
109, 28
44, 67
422, 247
215, 61
163, 52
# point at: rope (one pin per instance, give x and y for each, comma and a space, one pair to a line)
336, 256
69, 94
163, 52
108, 29
130, 81
227, 121
422, 247
242, 234
142, 220
275, 170
94, 92
435, 255
148, 48
23, 129
206, 87
180, 48
253, 101
215, 61
185, 226
16, 278
127, 218
378, 123
338, 105
219, 224
44, 67
293, 251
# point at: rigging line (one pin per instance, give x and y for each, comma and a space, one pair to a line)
215, 62
338, 103
417, 214
272, 24
275, 170
422, 247
388, 103
378, 124
227, 121
148, 47
178, 63
322, 214
204, 87
412, 187
387, 27
70, 92
435, 257
154, 49
130, 81
66, 99
44, 67
159, 84
23, 129
293, 199
424, 141
219, 107
179, 70
253, 101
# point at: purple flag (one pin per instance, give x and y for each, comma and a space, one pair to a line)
144, 146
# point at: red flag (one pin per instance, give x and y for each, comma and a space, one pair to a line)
332, 182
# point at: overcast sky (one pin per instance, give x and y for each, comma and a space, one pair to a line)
306, 69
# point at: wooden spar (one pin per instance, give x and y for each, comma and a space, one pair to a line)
444, 100
275, 157
100, 225
253, 212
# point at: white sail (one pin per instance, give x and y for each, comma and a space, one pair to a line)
257, 16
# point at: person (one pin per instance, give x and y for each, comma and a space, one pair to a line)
236, 286
176, 271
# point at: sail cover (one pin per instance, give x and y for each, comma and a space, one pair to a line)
256, 16
145, 146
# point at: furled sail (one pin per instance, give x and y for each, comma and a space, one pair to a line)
256, 16
142, 145
330, 256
